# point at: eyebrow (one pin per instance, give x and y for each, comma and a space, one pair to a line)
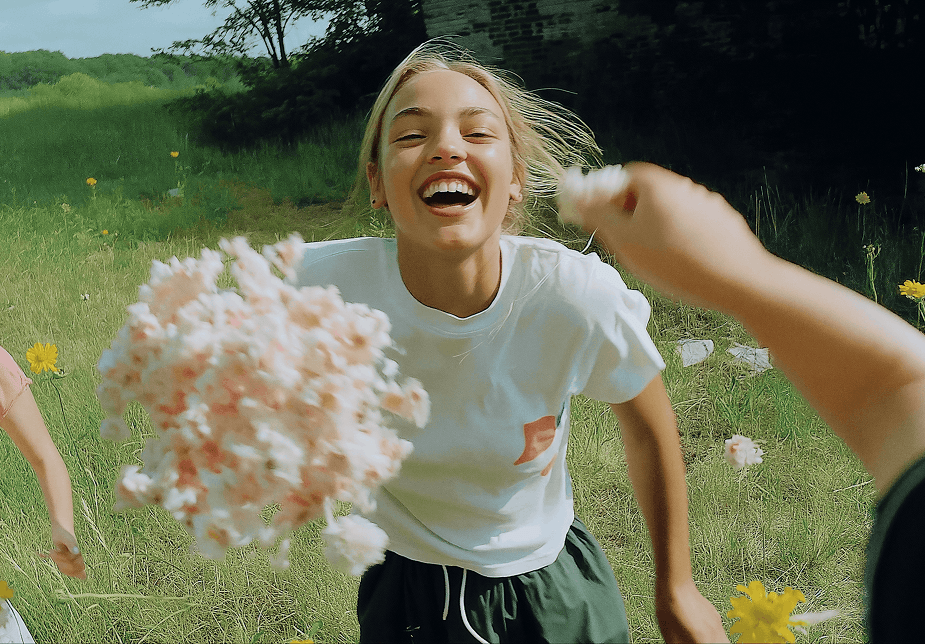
423, 111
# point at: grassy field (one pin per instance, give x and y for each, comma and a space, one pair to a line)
74, 255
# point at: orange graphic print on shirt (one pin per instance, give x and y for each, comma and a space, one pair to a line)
538, 436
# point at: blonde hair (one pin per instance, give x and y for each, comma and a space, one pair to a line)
545, 137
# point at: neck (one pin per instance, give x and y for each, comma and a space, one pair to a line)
458, 284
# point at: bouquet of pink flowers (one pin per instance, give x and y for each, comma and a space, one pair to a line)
258, 395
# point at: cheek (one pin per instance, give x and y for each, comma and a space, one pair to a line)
501, 164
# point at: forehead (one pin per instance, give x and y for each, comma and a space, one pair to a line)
442, 90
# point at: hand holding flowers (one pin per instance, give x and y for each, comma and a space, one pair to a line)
579, 193
262, 394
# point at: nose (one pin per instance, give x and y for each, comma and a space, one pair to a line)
448, 146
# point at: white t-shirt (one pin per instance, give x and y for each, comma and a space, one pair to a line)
486, 487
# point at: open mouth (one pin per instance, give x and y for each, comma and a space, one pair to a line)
449, 193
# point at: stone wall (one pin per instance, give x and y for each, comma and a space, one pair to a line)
516, 34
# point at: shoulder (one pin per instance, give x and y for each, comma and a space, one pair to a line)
335, 248
559, 278
12, 381
322, 260
552, 262
8, 364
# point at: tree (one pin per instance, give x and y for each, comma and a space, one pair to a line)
331, 77
267, 19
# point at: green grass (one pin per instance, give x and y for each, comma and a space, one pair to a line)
801, 518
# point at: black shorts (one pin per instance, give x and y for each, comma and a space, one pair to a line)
573, 599
894, 575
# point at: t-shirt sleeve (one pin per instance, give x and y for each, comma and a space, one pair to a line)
12, 382
619, 358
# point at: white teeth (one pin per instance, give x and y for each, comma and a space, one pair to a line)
453, 185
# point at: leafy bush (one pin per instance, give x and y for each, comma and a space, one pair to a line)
22, 70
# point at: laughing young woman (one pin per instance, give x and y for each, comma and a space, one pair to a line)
502, 330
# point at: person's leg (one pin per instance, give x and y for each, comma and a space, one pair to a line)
573, 599
387, 603
401, 600
896, 561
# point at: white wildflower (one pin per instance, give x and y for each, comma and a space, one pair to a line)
742, 451
577, 190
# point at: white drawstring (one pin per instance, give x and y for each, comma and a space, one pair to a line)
462, 603
462, 610
446, 604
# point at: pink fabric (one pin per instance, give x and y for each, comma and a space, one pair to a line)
12, 381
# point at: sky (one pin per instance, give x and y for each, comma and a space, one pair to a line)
88, 28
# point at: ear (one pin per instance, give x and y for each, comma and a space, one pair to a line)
376, 189
517, 183
516, 191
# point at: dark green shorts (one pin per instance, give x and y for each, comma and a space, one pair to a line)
573, 599
895, 570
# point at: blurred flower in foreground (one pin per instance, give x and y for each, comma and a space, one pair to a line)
742, 451
5, 613
862, 198
91, 181
577, 189
920, 168
174, 154
912, 289
765, 617
811, 619
258, 395
42, 357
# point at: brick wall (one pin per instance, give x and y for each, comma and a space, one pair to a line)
517, 34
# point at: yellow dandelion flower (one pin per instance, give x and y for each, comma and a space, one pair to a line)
42, 357
308, 641
912, 289
174, 154
105, 232
5, 591
862, 198
763, 616
91, 181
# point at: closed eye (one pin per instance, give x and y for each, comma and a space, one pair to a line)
410, 137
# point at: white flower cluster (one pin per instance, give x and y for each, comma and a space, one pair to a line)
742, 451
920, 168
577, 189
261, 394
